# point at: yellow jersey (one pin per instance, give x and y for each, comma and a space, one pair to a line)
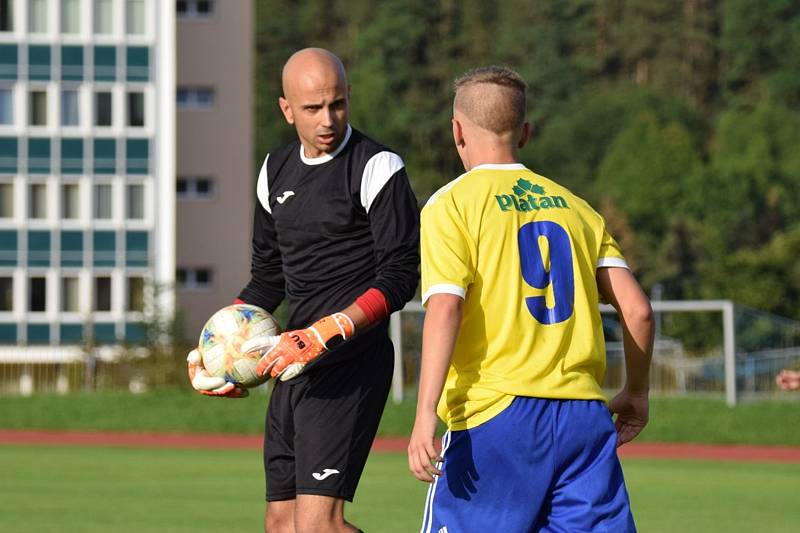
522, 251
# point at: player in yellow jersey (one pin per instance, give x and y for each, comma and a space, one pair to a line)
513, 268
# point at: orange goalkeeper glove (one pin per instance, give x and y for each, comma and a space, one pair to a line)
295, 349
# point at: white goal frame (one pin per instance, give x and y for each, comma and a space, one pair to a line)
726, 307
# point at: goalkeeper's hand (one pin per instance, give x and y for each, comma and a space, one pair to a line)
205, 383
295, 349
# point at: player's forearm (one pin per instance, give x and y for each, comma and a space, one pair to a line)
442, 321
357, 315
638, 333
619, 287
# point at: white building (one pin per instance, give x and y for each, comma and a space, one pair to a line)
87, 170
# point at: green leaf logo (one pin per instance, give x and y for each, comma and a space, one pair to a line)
524, 186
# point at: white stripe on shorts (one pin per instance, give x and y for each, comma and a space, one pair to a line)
427, 518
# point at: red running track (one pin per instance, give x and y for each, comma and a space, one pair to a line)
650, 450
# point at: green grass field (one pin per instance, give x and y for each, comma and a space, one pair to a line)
685, 419
85, 490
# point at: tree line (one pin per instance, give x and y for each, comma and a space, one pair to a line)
677, 119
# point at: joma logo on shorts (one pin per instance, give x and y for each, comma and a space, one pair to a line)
326, 473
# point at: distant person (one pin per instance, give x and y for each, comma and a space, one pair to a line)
788, 379
513, 268
336, 233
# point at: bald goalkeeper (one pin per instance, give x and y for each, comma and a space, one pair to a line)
336, 234
513, 355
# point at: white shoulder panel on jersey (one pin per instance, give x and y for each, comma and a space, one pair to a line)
435, 196
262, 186
379, 169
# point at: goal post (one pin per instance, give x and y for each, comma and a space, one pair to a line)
742, 351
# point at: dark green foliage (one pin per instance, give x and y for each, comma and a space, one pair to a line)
678, 121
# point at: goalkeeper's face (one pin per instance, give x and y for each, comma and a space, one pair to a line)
316, 101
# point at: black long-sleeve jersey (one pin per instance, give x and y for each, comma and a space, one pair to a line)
329, 228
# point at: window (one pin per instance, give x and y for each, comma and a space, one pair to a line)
102, 17
6, 15
70, 16
102, 201
72, 63
105, 63
134, 17
105, 333
136, 244
104, 244
71, 248
102, 293
39, 62
37, 200
37, 294
39, 248
6, 200
38, 156
195, 187
8, 248
136, 109
37, 16
102, 108
194, 8
8, 61
8, 155
69, 107
71, 156
136, 294
6, 106
135, 202
70, 201
71, 333
194, 97
70, 294
38, 333
6, 293
194, 278
38, 108
105, 156
137, 153
138, 63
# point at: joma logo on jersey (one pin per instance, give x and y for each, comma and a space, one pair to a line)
524, 200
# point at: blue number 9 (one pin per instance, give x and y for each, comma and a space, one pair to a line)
560, 274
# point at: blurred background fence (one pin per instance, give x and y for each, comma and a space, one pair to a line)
689, 356
689, 353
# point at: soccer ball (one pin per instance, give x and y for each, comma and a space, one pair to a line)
221, 341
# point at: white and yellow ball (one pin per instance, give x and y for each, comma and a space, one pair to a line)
221, 341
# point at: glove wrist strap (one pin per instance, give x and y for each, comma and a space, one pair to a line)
333, 329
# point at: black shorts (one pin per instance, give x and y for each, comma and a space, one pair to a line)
320, 426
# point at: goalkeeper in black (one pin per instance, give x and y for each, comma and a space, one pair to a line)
336, 233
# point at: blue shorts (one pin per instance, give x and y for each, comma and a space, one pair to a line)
539, 466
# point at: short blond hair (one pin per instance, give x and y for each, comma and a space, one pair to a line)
492, 97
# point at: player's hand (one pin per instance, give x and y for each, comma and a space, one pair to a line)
633, 412
295, 349
205, 383
788, 379
422, 454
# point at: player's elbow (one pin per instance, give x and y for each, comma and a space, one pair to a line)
639, 313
